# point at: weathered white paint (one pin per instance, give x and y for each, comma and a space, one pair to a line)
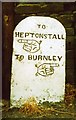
38, 61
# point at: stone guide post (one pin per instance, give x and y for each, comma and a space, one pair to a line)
38, 61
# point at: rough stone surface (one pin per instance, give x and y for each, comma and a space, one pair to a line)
64, 12
70, 42
70, 31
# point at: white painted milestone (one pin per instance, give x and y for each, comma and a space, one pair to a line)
38, 61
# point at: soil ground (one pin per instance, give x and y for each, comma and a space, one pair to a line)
46, 111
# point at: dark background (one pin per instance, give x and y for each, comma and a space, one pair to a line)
13, 13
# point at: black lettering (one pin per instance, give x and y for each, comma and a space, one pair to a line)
29, 57
43, 26
38, 25
17, 34
54, 36
39, 57
59, 37
45, 57
49, 58
17, 56
21, 34
41, 35
45, 36
34, 57
36, 35
26, 34
59, 57
49, 36
54, 58
62, 37
32, 34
